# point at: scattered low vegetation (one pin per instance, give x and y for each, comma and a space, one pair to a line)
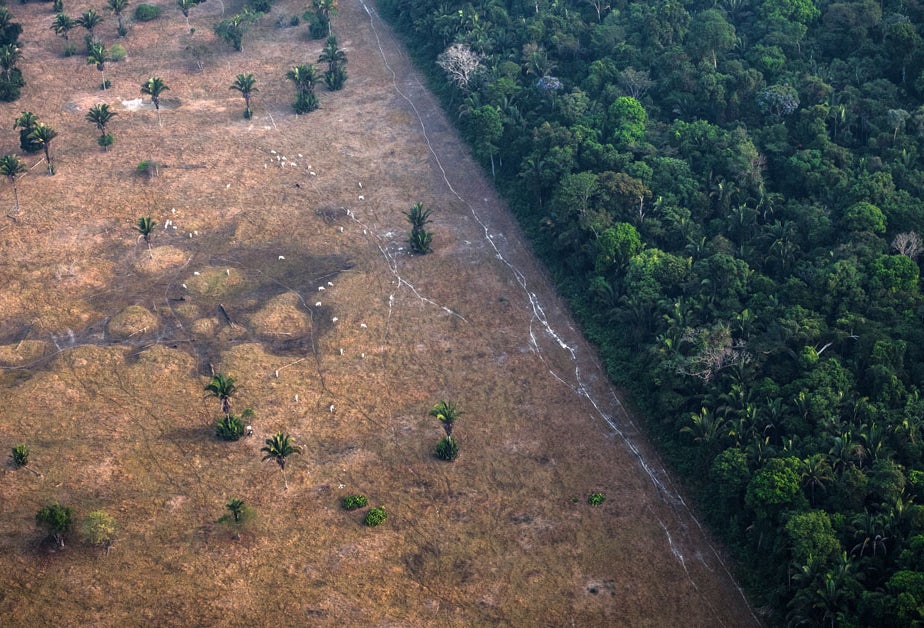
596, 499
352, 502
375, 517
20, 455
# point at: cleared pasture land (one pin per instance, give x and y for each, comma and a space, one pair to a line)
105, 354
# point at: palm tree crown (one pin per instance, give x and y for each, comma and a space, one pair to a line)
89, 19
62, 25
447, 413
42, 134
100, 115
154, 87
304, 76
10, 54
11, 167
222, 386
278, 448
246, 85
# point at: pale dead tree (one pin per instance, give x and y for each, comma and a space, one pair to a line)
461, 63
908, 244
715, 351
634, 82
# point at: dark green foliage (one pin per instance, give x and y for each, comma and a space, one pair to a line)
230, 427
419, 239
352, 502
596, 499
447, 449
375, 517
335, 58
279, 448
20, 455
232, 30
304, 77
446, 413
731, 197
147, 12
222, 387
57, 520
145, 227
26, 123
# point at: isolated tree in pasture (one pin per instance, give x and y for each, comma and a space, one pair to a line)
279, 448
154, 87
320, 21
10, 55
238, 516
145, 227
26, 123
57, 520
419, 239
118, 7
62, 25
20, 455
98, 56
304, 77
232, 30
89, 20
98, 528
11, 167
222, 388
246, 85
43, 135
447, 413
336, 59
186, 6
100, 114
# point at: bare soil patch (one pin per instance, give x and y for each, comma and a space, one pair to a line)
287, 269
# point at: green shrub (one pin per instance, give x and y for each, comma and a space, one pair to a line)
70, 50
595, 499
230, 427
105, 141
305, 103
21, 455
147, 12
375, 517
105, 84
148, 168
352, 502
117, 52
447, 449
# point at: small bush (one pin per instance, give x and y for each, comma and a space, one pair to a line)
105, 84
147, 168
375, 517
352, 502
595, 499
70, 50
447, 449
20, 455
105, 141
230, 428
305, 103
117, 52
294, 21
147, 12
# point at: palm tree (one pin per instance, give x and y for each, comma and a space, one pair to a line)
89, 19
244, 83
304, 77
42, 134
418, 216
98, 56
25, 123
185, 6
117, 7
335, 58
222, 386
145, 227
100, 115
11, 167
10, 54
237, 509
62, 25
154, 87
447, 413
816, 473
278, 448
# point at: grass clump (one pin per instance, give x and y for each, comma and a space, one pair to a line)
447, 449
20, 455
596, 499
147, 12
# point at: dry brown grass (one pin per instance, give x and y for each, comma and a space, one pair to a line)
111, 404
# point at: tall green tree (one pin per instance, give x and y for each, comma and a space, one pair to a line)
43, 135
246, 85
11, 167
222, 387
57, 520
279, 448
98, 56
89, 20
336, 59
154, 87
304, 77
62, 25
446, 413
118, 7
100, 115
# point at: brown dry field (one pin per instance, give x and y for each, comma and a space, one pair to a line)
105, 353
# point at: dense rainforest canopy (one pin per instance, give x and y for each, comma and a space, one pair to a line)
731, 194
